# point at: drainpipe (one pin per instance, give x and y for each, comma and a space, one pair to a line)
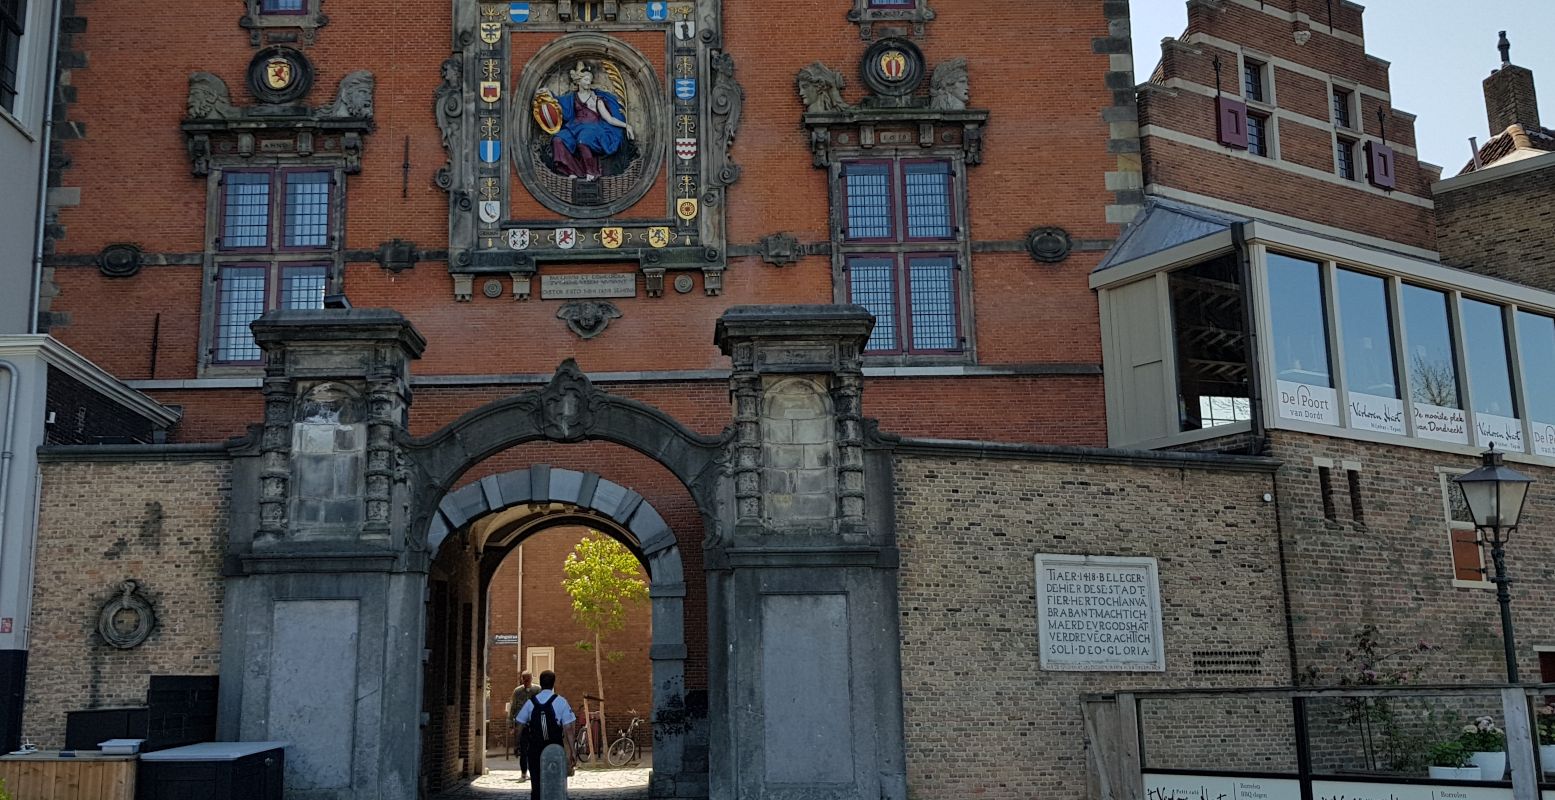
5, 440
33, 303
1254, 374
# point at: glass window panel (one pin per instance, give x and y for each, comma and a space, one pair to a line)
307, 209
242, 300
1347, 159
869, 201
1257, 141
1366, 320
872, 284
1433, 374
1342, 107
1536, 344
1211, 344
1490, 371
931, 284
246, 219
1296, 313
1252, 80
928, 201
280, 6
303, 287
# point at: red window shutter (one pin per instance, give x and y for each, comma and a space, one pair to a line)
1379, 160
1465, 556
1231, 122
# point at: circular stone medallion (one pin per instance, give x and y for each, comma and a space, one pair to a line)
587, 128
893, 67
279, 75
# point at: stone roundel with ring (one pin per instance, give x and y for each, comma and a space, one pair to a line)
893, 67
126, 620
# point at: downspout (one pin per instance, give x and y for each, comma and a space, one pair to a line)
5, 440
33, 303
1254, 375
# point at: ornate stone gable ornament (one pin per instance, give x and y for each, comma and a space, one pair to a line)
872, 19
561, 100
937, 126
216, 128
566, 406
893, 67
284, 27
588, 318
126, 621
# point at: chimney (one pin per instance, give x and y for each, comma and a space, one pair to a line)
1509, 94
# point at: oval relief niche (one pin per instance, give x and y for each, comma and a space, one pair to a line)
587, 129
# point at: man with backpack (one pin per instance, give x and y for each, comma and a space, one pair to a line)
545, 720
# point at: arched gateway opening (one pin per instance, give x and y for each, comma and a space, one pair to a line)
486, 521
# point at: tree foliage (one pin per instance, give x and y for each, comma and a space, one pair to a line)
602, 580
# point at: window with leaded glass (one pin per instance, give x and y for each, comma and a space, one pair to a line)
902, 253
13, 16
275, 243
1258, 135
1345, 155
1342, 113
1253, 80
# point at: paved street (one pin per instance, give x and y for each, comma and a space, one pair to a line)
591, 783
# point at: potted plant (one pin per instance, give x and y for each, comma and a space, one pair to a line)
1486, 743
1450, 760
1545, 719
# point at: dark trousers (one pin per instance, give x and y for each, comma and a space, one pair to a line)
535, 781
522, 748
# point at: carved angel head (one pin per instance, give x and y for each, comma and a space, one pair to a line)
820, 88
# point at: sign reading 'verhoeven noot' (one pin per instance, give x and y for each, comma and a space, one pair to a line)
1099, 613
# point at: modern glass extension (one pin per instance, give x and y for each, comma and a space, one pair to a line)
1345, 340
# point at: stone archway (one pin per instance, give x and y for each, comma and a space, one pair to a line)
587, 495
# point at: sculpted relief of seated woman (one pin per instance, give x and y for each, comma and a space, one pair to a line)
591, 136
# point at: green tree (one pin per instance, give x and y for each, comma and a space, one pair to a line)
602, 580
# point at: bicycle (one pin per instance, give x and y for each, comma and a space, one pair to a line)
580, 743
624, 749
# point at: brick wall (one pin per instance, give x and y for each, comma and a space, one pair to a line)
1502, 227
82, 416
548, 622
969, 528
161, 523
1395, 571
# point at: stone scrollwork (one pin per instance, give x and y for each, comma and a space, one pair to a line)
214, 126
126, 620
820, 89
728, 102
566, 406
449, 104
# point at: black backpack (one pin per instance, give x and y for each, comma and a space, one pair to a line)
543, 725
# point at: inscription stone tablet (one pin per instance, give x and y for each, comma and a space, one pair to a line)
1099, 614
575, 287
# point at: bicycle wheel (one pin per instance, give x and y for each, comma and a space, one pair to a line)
622, 751
580, 746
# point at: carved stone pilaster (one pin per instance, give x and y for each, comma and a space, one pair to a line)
385, 401
848, 405
275, 450
745, 386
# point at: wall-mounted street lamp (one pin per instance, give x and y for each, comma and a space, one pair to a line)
1495, 494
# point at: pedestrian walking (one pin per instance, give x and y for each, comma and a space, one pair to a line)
546, 719
525, 690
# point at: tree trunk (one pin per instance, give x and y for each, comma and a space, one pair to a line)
599, 684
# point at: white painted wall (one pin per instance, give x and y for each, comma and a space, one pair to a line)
21, 158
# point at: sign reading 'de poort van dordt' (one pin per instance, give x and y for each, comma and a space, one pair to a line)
1099, 613
577, 287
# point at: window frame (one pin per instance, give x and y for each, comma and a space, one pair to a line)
1444, 477
275, 257
13, 25
302, 8
1265, 125
1346, 146
901, 249
1351, 108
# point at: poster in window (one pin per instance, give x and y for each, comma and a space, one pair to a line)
1442, 423
1504, 432
1369, 412
1543, 438
1308, 403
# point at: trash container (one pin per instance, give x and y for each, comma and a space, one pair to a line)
229, 770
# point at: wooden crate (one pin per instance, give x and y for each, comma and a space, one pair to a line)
44, 775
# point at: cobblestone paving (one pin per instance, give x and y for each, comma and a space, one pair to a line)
501, 783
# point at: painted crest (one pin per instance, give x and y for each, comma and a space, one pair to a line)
518, 238
279, 73
566, 238
491, 210
659, 236
548, 112
612, 238
491, 32
686, 88
686, 148
491, 91
589, 11
518, 12
658, 11
893, 65
491, 150
685, 29
686, 208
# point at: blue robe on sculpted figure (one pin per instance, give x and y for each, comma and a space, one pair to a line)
593, 127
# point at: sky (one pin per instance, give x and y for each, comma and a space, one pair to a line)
1440, 51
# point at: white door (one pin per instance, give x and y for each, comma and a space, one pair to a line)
538, 660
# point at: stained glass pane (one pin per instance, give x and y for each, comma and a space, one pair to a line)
869, 201
873, 286
307, 209
303, 287
928, 201
242, 300
246, 220
932, 291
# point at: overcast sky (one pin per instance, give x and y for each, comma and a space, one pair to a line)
1440, 51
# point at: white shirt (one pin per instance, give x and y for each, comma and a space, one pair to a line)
564, 715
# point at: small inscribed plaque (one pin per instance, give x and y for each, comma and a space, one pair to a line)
1099, 614
576, 287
